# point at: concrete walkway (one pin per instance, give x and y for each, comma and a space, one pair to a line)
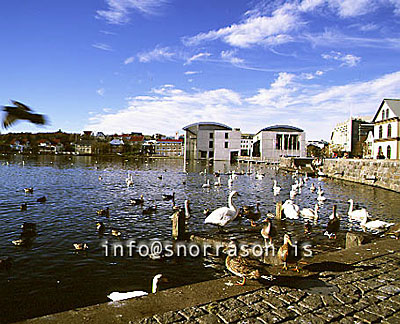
358, 285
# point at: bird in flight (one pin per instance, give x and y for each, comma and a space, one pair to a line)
23, 112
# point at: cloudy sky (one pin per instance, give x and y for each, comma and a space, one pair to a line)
154, 66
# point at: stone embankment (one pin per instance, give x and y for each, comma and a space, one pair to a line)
379, 173
356, 285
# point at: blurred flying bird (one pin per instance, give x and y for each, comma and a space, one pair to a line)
21, 111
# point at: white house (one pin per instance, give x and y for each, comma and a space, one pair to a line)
273, 142
386, 129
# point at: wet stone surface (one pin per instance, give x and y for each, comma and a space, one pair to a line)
370, 293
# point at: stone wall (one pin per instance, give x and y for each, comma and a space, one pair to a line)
379, 173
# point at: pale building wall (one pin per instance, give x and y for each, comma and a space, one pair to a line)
221, 152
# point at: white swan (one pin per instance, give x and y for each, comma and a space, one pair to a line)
312, 187
218, 182
357, 214
290, 209
320, 191
310, 214
230, 181
187, 209
223, 215
374, 225
321, 198
276, 189
259, 176
115, 296
207, 184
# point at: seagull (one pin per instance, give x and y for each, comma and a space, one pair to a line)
23, 112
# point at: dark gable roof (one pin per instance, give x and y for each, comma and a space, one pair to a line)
281, 128
207, 124
394, 104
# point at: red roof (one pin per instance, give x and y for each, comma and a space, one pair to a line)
136, 138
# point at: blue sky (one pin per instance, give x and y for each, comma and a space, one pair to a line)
154, 66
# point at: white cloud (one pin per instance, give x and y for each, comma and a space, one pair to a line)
102, 46
347, 59
118, 10
287, 100
100, 91
267, 30
157, 54
352, 8
191, 72
197, 57
129, 60
230, 56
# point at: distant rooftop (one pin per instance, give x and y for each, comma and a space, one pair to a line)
281, 128
207, 124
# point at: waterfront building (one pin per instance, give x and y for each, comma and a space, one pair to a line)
348, 137
273, 142
246, 144
387, 129
227, 144
84, 147
168, 147
199, 139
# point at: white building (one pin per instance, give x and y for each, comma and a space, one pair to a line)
210, 140
277, 141
246, 144
349, 136
386, 129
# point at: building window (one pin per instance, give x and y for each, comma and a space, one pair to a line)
226, 135
380, 131
210, 144
286, 142
278, 141
211, 135
383, 114
388, 151
226, 144
389, 134
203, 154
387, 113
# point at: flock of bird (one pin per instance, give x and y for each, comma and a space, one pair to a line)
221, 217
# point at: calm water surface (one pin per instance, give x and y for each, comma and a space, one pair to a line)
49, 276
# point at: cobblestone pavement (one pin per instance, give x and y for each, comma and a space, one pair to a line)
367, 293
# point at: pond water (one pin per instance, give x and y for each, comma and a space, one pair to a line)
49, 276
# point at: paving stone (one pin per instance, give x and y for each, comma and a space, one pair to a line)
284, 314
250, 321
380, 310
312, 302
298, 309
367, 317
231, 303
328, 314
395, 299
392, 320
250, 298
287, 299
248, 311
390, 289
212, 308
231, 315
275, 289
329, 300
169, 317
192, 312
391, 304
309, 318
347, 320
344, 310
346, 299
296, 294
260, 307
268, 318
359, 306
274, 302
209, 319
